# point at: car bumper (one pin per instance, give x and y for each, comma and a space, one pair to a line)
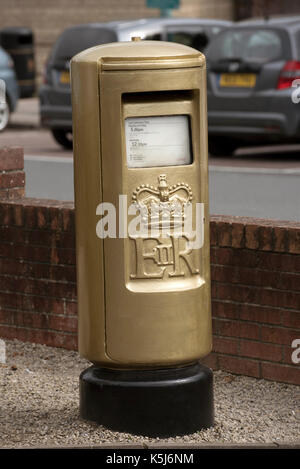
247, 123
272, 117
55, 108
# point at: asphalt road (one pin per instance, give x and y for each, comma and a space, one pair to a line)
259, 182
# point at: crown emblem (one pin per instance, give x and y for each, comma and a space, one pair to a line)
164, 205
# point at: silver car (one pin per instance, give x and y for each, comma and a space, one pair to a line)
9, 93
252, 92
55, 94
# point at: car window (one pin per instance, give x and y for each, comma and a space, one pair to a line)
154, 37
197, 40
259, 45
73, 41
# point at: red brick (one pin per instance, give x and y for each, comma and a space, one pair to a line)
10, 300
222, 273
288, 351
71, 308
6, 317
227, 346
12, 193
223, 256
42, 217
278, 335
31, 320
55, 221
7, 332
62, 323
252, 236
12, 179
291, 319
68, 221
239, 293
16, 192
213, 233
63, 273
5, 213
237, 329
211, 361
278, 298
254, 349
224, 234
260, 314
4, 194
29, 253
18, 215
40, 304
6, 250
30, 218
294, 241
65, 240
225, 309
53, 339
237, 235
24, 285
214, 291
61, 290
66, 256
289, 281
266, 238
213, 250
38, 270
279, 262
241, 366
39, 237
280, 239
12, 267
283, 373
11, 158
11, 234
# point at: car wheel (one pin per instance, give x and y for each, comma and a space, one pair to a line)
63, 137
218, 146
4, 116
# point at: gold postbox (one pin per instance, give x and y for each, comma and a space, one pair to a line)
140, 137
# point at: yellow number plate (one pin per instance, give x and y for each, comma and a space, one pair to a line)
65, 77
246, 80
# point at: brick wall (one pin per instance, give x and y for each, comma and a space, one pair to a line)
48, 19
255, 266
38, 273
12, 175
255, 296
255, 286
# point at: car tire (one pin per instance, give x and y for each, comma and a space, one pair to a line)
63, 137
4, 115
218, 146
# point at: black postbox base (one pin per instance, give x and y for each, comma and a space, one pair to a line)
158, 403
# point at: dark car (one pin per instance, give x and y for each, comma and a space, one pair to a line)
251, 84
55, 94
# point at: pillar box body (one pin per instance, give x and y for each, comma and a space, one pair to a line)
140, 140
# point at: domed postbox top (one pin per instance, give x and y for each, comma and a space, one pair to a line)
143, 55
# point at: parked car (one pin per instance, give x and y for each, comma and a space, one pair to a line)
55, 94
251, 71
7, 74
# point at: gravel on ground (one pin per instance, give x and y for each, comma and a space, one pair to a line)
39, 405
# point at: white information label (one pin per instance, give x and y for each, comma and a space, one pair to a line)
157, 141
